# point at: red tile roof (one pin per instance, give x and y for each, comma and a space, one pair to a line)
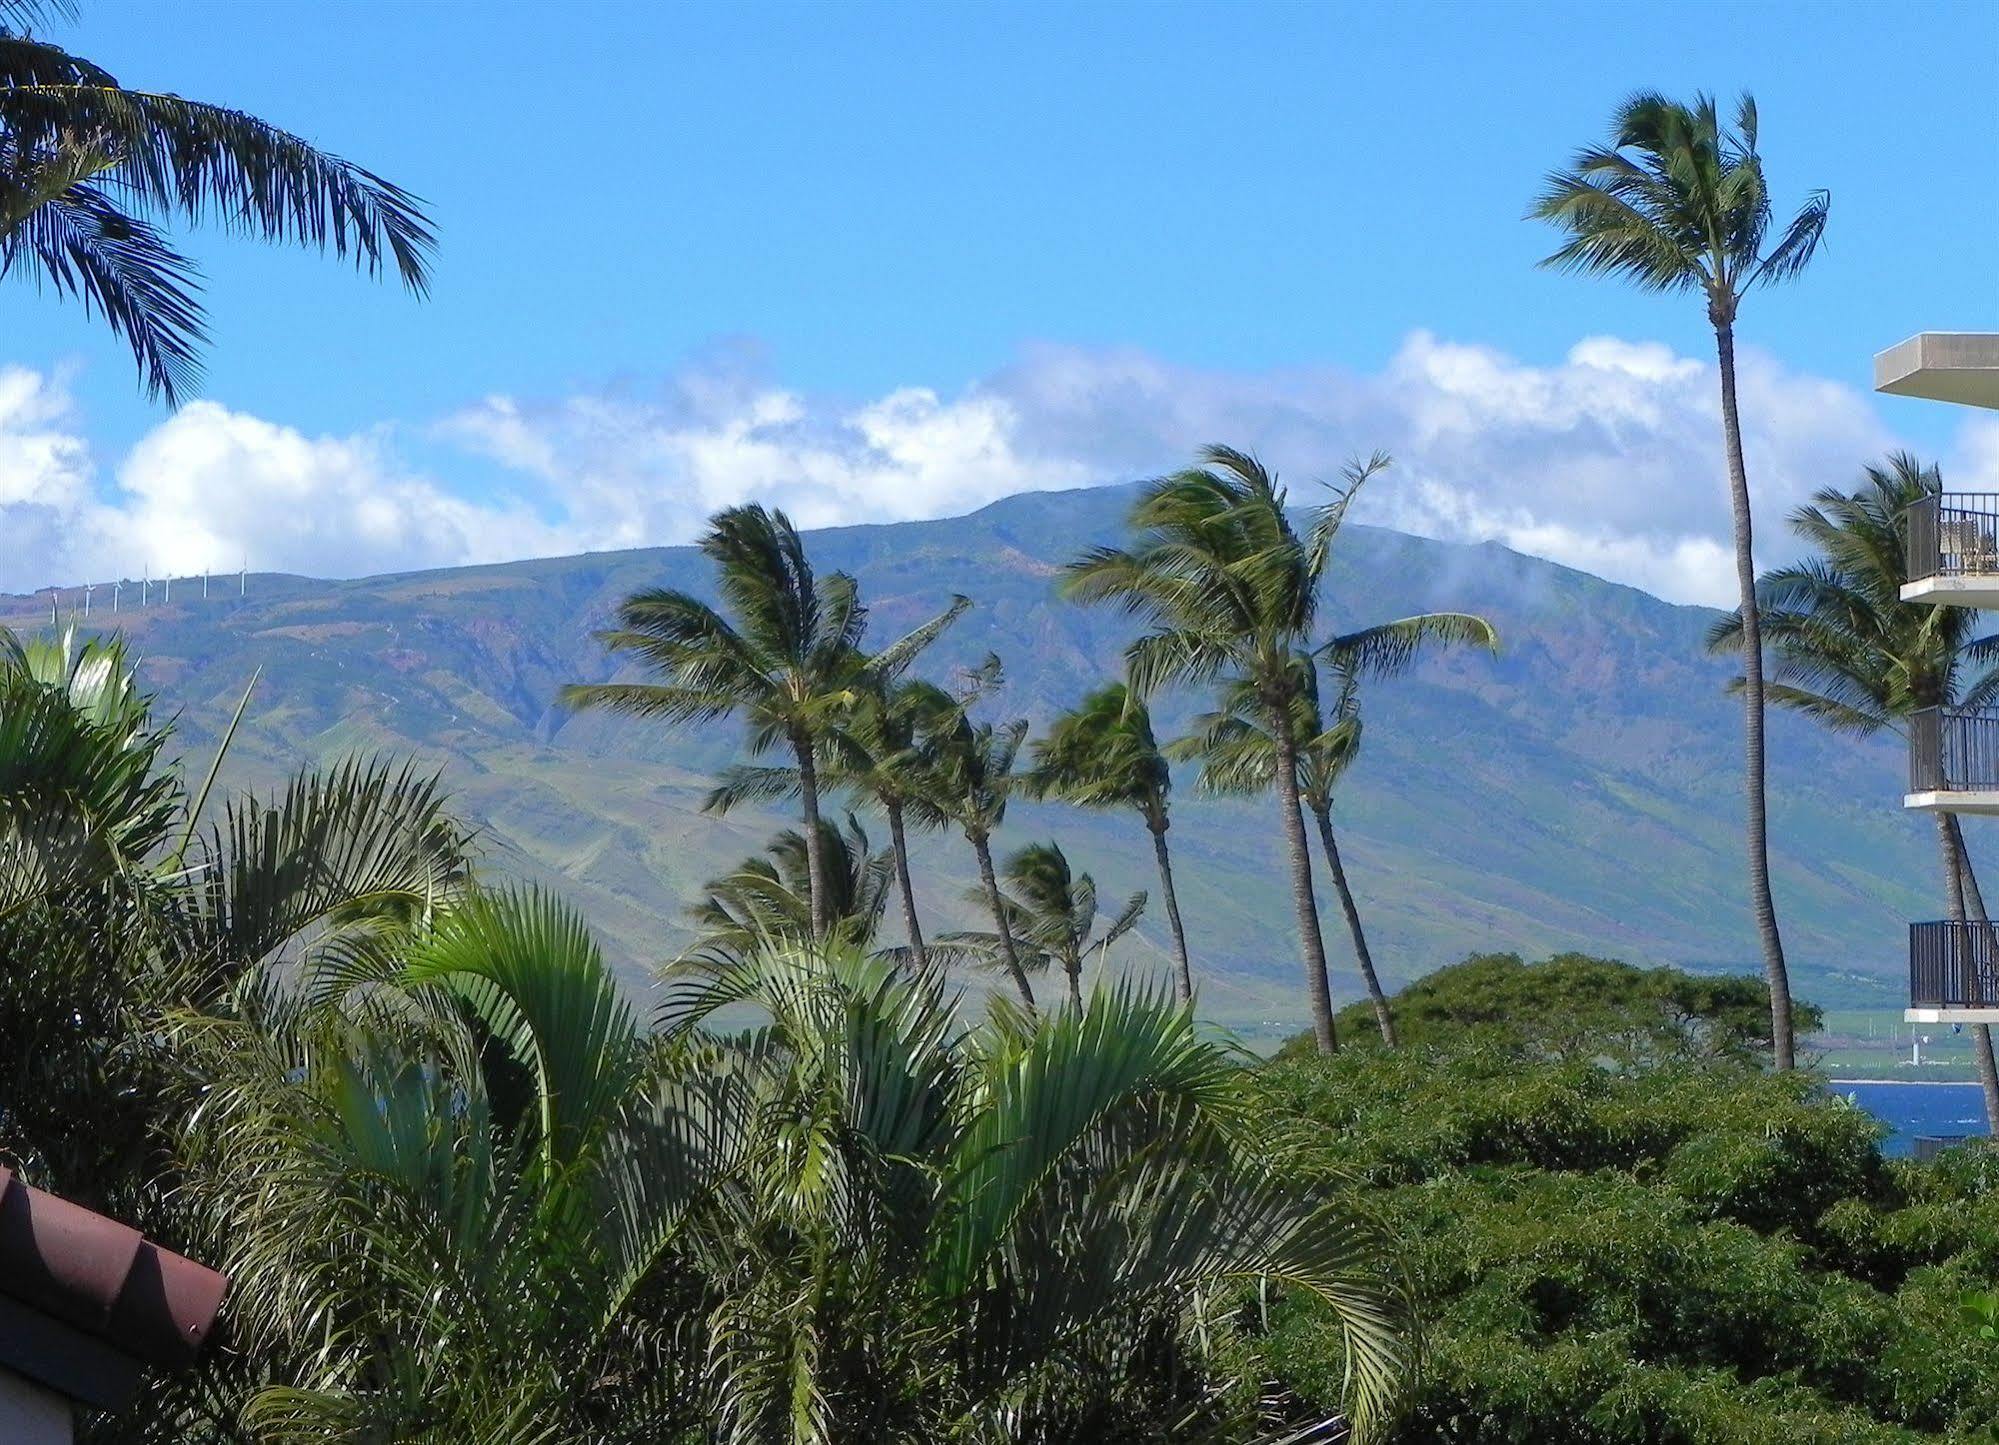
85, 1300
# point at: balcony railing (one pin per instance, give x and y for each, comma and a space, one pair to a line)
1953, 752
1954, 534
1954, 965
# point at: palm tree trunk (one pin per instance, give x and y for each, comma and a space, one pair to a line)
899, 846
1073, 968
815, 846
1009, 951
1754, 792
1183, 976
1382, 1016
1968, 902
1317, 990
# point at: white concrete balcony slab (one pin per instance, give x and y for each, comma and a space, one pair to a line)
1953, 366
1950, 1015
1969, 591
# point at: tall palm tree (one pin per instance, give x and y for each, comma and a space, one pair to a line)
1850, 653
1102, 754
972, 779
1230, 589
1238, 756
768, 899
1052, 912
1678, 202
89, 171
790, 661
878, 752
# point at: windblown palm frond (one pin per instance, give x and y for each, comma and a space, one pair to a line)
89, 169
1847, 650
1678, 201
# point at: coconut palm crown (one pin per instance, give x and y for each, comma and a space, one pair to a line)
1052, 913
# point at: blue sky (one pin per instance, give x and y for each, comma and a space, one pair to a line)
838, 202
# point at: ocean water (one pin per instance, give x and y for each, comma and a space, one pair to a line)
1912, 1109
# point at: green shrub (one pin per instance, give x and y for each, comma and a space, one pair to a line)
1673, 1251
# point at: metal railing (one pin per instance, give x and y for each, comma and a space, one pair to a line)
1953, 751
1954, 965
1953, 534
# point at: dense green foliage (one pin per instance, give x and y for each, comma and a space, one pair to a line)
1681, 1254
464, 1194
1574, 1007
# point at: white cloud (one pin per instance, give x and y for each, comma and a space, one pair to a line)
1608, 459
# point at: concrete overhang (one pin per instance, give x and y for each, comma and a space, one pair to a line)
1976, 590
1950, 1015
1956, 366
1954, 800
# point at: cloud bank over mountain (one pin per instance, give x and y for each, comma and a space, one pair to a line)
1608, 460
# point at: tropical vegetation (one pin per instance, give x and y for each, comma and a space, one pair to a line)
829, 1190
463, 1193
1230, 589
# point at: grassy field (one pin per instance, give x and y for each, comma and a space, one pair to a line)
1877, 1044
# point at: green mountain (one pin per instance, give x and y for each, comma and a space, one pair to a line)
1580, 791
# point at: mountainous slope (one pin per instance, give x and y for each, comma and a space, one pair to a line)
1579, 791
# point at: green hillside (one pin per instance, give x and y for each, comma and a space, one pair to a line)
1579, 792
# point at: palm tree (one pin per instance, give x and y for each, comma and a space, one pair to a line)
450, 1188
1850, 653
877, 751
462, 1196
119, 898
1231, 591
89, 170
952, 1233
972, 779
1678, 202
1239, 757
790, 661
1102, 754
1053, 913
768, 899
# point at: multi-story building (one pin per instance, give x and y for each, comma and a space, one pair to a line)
1953, 557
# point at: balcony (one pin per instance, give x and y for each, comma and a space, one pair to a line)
1958, 366
1953, 761
1953, 973
1953, 550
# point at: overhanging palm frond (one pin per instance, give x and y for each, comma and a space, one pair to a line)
122, 268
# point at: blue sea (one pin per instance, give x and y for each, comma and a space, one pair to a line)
1911, 1109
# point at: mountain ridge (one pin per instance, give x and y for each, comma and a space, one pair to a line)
1580, 790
